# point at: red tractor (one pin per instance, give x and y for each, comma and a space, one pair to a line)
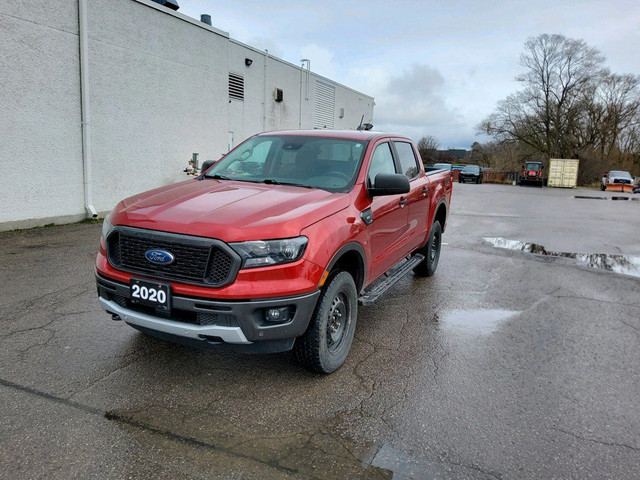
532, 174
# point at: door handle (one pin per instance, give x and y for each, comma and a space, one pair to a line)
403, 202
425, 190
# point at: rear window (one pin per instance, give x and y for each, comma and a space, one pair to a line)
407, 159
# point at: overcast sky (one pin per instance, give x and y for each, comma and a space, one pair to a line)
434, 68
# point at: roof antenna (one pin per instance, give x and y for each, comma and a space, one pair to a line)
365, 126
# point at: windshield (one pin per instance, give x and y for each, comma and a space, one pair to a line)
534, 167
619, 173
317, 162
471, 169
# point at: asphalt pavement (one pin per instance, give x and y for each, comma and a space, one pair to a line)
505, 364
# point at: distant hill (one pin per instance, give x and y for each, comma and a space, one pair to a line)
457, 152
452, 155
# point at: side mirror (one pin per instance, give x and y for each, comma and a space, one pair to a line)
389, 184
206, 165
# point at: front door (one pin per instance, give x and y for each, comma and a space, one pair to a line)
390, 217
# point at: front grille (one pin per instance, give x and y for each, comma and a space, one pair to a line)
621, 180
196, 259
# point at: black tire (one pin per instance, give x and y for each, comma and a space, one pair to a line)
431, 252
459, 180
325, 345
478, 181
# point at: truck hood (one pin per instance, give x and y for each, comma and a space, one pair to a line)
231, 211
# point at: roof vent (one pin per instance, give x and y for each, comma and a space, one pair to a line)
172, 4
205, 18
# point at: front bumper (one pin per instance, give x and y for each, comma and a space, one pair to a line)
212, 322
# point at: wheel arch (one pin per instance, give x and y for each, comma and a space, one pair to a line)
441, 214
350, 258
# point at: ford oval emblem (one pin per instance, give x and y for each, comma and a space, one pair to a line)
159, 257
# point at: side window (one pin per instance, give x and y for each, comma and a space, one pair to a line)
407, 158
381, 162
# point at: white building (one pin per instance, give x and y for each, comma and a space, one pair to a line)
104, 99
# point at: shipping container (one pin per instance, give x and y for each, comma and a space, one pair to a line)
563, 172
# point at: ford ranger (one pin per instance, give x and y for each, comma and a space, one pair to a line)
274, 246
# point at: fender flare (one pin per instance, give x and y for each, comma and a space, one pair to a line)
350, 247
442, 201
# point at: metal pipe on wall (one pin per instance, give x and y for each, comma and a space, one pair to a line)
83, 33
266, 94
304, 62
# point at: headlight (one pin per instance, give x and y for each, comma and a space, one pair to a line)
106, 227
263, 253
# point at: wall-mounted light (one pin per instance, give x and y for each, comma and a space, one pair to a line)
248, 62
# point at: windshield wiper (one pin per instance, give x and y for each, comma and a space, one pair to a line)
271, 181
217, 177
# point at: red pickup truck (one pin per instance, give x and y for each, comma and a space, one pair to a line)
274, 246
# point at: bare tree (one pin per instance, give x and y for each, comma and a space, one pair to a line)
543, 115
570, 106
427, 146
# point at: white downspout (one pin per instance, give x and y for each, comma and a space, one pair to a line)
83, 27
264, 105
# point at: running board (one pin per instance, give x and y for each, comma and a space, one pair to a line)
386, 281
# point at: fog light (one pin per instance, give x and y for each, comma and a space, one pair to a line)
278, 315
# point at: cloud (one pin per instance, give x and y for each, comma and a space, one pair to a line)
413, 102
321, 60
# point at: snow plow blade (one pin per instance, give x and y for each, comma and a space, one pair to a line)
620, 187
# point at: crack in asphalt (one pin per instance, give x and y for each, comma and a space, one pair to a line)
22, 353
111, 416
593, 440
30, 329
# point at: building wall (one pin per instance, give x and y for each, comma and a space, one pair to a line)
158, 91
40, 137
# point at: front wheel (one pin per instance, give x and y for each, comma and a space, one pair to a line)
431, 251
324, 346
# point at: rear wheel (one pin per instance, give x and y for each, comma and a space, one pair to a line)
431, 251
324, 346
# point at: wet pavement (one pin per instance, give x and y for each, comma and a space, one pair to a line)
622, 264
505, 364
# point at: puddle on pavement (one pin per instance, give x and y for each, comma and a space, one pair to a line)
481, 322
622, 264
405, 467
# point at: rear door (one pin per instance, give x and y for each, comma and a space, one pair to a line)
418, 198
